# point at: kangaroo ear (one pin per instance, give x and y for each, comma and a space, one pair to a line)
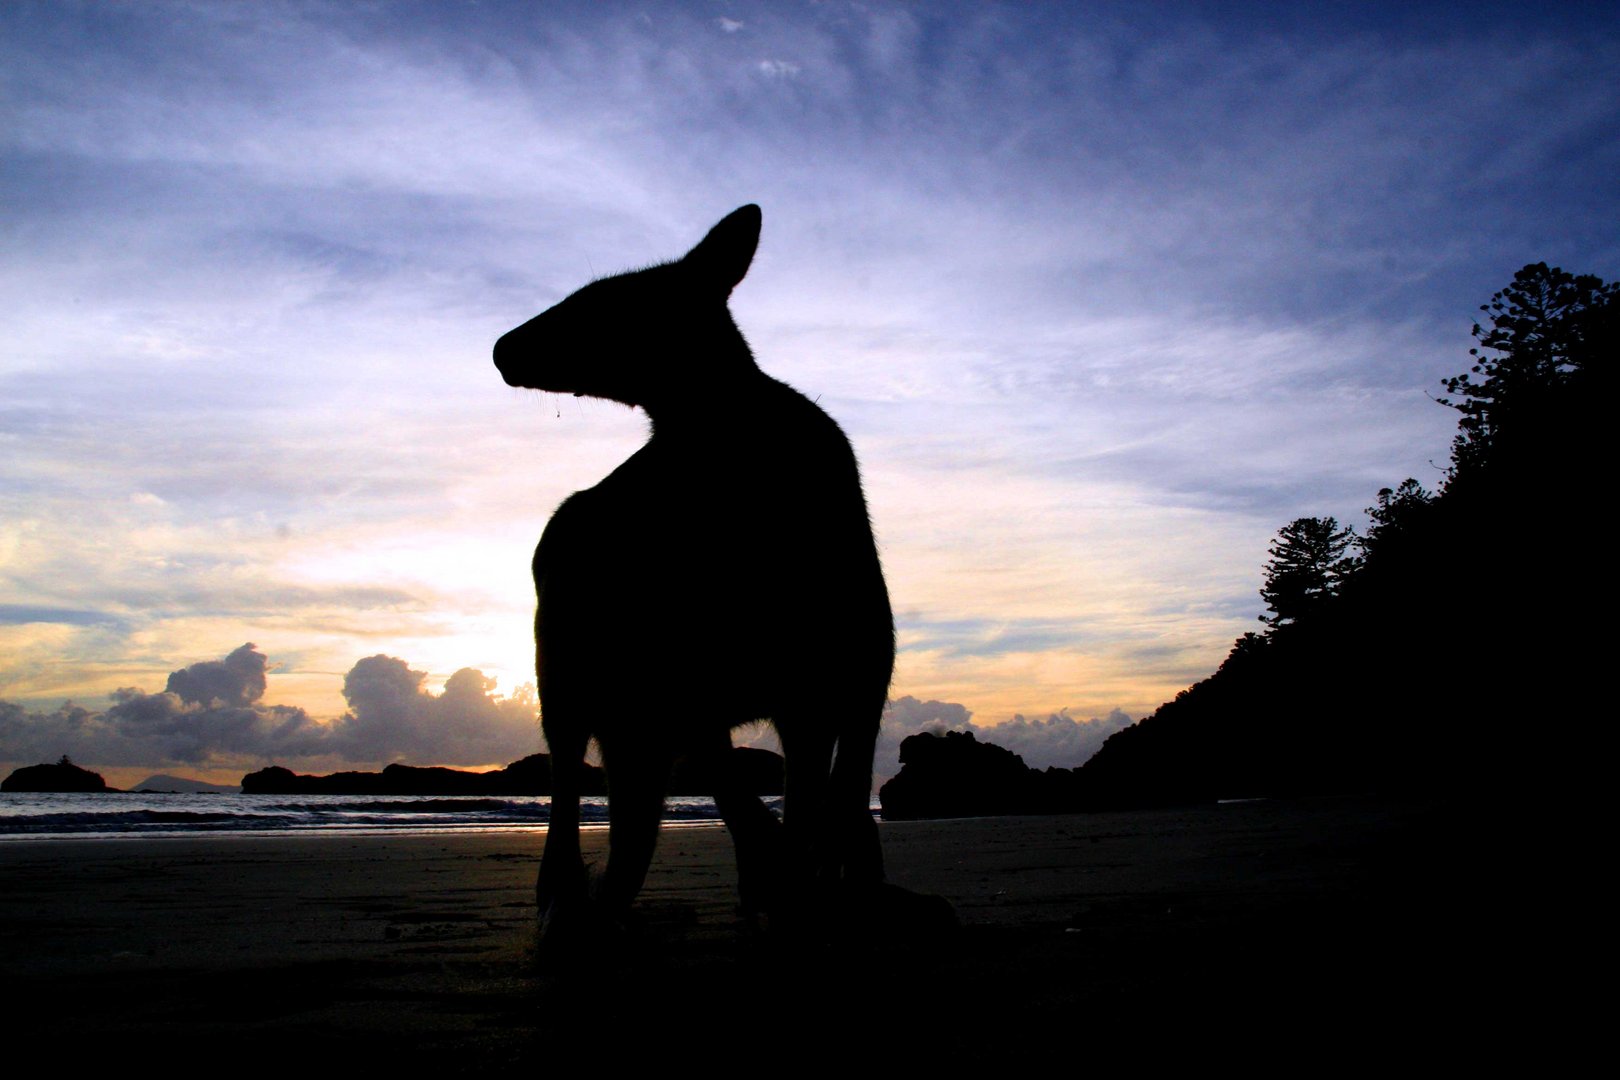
723, 256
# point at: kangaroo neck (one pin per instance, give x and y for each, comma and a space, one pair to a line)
730, 393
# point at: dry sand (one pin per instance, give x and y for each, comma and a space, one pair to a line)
1229, 934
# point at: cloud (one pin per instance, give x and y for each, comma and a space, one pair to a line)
1060, 739
23, 614
143, 728
990, 637
211, 715
391, 716
237, 680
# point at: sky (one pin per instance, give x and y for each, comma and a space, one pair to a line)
1103, 294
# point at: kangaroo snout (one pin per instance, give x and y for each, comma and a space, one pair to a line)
531, 356
509, 361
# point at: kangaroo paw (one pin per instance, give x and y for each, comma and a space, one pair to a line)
582, 934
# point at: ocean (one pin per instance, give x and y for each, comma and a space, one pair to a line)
112, 815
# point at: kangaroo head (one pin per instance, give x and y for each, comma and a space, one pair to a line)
643, 337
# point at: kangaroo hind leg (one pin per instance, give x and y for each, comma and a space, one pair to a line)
756, 834
638, 775
807, 748
854, 833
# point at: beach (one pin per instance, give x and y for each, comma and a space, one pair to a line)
1175, 934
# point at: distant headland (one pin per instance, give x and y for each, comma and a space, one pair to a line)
528, 776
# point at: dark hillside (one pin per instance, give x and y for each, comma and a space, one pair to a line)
1459, 649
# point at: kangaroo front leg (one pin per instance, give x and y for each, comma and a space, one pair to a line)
561, 885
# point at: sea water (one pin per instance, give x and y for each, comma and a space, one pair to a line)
104, 815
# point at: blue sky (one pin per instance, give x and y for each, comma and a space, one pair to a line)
1103, 299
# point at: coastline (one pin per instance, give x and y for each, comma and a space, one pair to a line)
1313, 914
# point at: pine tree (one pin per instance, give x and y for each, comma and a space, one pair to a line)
1548, 330
1310, 559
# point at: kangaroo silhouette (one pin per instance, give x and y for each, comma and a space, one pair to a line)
724, 573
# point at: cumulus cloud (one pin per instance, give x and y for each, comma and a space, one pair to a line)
210, 715
391, 716
239, 679
1059, 740
141, 727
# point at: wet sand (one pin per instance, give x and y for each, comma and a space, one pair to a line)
1222, 934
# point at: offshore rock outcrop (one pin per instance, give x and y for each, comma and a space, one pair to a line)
952, 774
62, 776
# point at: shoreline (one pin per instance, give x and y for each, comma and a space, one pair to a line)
422, 947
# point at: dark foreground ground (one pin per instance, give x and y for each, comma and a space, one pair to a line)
1307, 936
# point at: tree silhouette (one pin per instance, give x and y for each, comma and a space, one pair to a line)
1310, 558
1398, 513
1547, 330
